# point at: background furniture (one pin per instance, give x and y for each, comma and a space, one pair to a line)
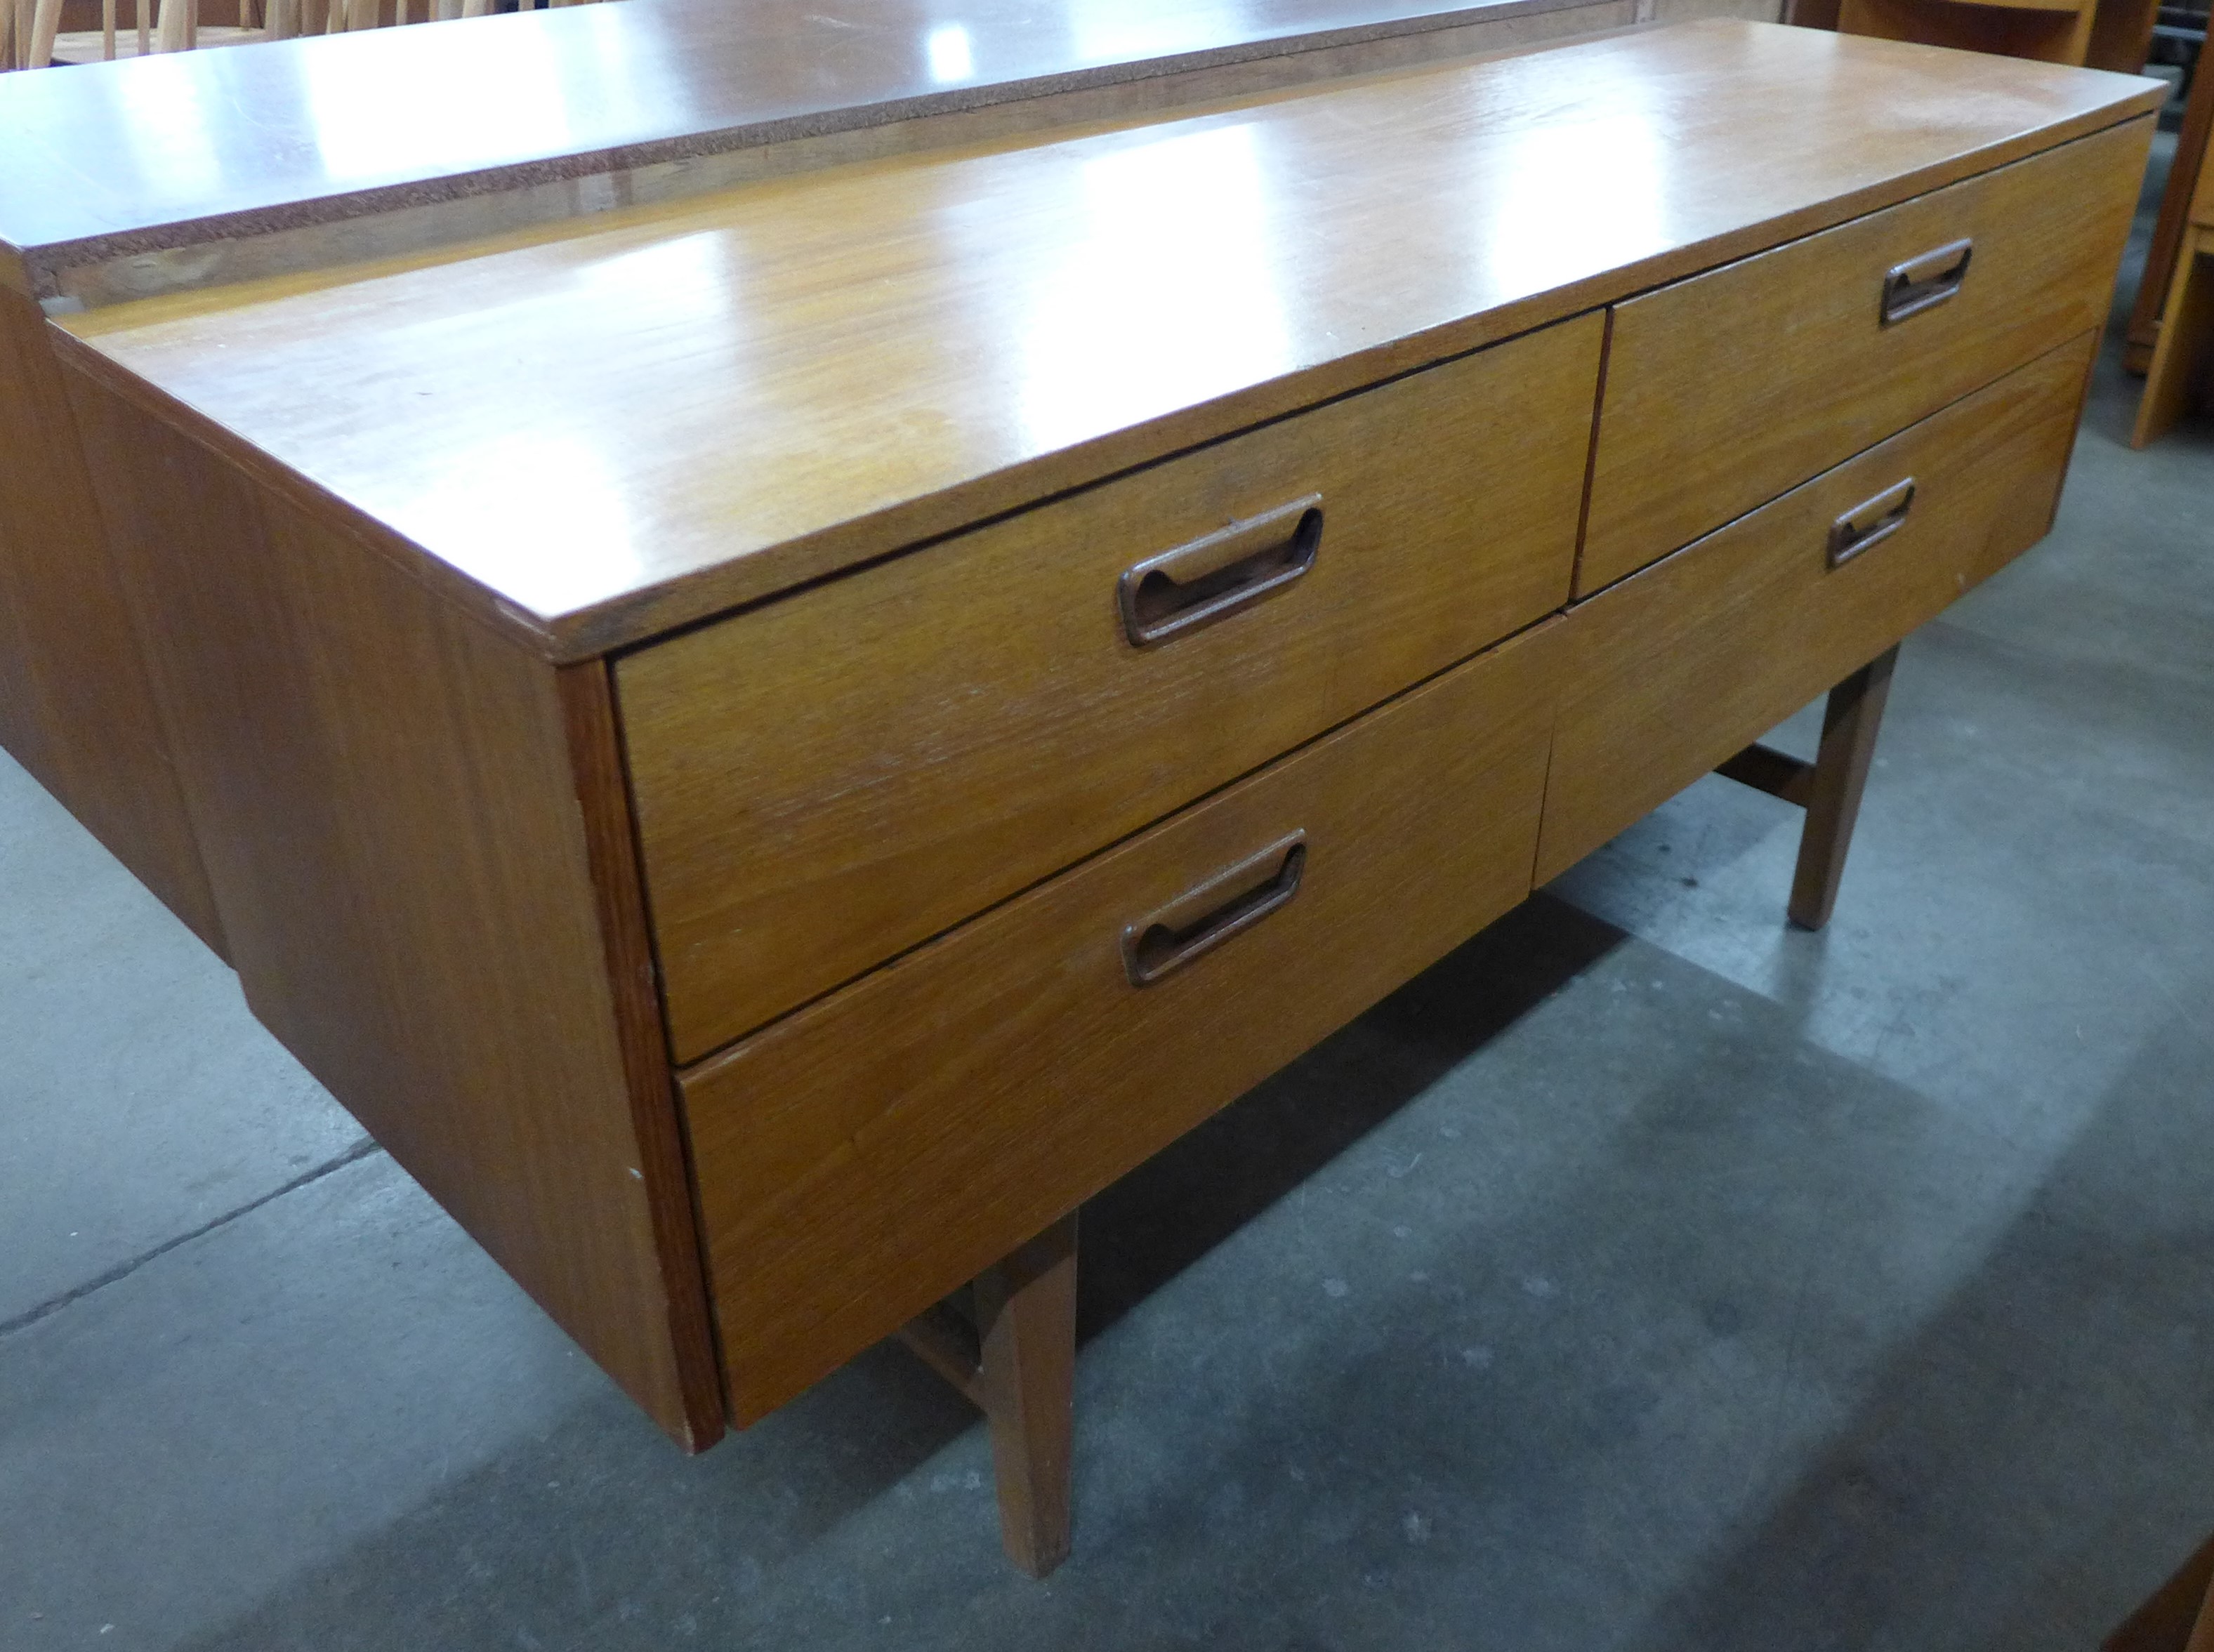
40, 33
2174, 379
2175, 219
2099, 33
2174, 314
772, 771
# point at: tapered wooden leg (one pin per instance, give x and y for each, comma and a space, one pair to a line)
2180, 1615
1011, 1348
1026, 1335
1849, 722
1828, 789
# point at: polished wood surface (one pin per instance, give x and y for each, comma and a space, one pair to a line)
592, 440
290, 237
1671, 671
859, 1159
133, 158
181, 151
2046, 238
75, 706
801, 819
408, 826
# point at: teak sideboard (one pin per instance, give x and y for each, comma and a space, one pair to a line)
770, 746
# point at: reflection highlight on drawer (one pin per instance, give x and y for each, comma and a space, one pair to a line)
838, 776
859, 1159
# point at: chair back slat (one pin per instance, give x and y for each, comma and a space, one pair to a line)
32, 36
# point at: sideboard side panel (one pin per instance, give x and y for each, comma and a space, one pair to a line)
75, 706
390, 799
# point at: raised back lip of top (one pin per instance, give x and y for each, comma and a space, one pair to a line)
141, 155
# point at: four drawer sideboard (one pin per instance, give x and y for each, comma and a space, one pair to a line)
769, 746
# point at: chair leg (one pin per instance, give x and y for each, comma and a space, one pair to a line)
2186, 326
1018, 1366
1849, 722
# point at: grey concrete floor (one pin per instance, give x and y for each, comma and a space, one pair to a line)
1647, 1276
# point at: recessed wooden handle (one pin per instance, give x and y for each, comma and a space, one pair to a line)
1870, 523
1920, 283
1201, 918
1196, 585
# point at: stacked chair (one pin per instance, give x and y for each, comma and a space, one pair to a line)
37, 33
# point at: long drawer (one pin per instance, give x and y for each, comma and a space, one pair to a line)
861, 1158
1668, 673
828, 780
1724, 390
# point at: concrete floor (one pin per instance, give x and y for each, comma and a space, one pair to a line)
1647, 1276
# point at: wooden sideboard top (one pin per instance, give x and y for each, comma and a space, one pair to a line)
113, 159
591, 437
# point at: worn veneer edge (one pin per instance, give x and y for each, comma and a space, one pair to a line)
908, 524
327, 508
589, 716
34, 269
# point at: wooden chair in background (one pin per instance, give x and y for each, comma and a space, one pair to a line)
2177, 370
2175, 312
36, 33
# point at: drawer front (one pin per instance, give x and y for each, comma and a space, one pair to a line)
1674, 670
860, 1159
836, 776
1724, 390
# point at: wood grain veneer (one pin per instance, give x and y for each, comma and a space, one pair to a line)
1666, 674
593, 440
76, 707
857, 1161
2047, 236
419, 901
836, 776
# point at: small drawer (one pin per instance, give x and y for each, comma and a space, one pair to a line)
1671, 671
1724, 390
861, 1158
829, 779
